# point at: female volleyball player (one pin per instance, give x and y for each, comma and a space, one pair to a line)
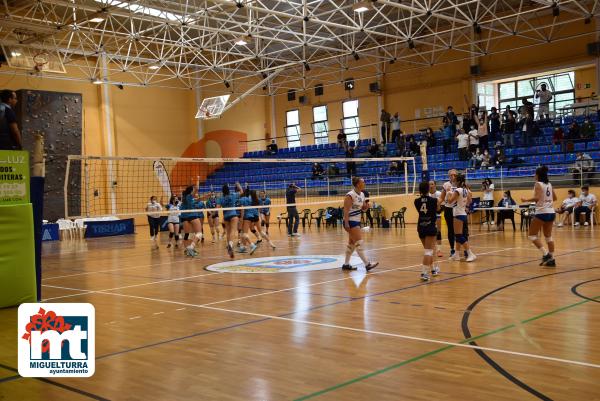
248, 216
427, 207
153, 208
191, 223
213, 217
354, 204
461, 198
543, 196
173, 221
447, 192
434, 193
265, 212
230, 200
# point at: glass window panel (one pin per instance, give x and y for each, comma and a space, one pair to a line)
489, 89
320, 113
350, 108
564, 82
507, 90
292, 117
524, 88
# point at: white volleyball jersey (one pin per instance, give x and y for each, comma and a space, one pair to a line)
449, 191
544, 204
173, 214
436, 194
357, 203
460, 209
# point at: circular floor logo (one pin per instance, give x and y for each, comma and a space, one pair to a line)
283, 264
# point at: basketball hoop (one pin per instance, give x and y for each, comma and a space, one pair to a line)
40, 60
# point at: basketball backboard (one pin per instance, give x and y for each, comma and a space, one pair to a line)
212, 107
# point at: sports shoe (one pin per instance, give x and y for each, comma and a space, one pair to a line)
424, 277
586, 224
296, 235
576, 224
258, 241
435, 271
455, 257
559, 225
471, 257
169, 245
492, 223
371, 265
253, 248
452, 252
191, 252
242, 249
272, 245
230, 251
348, 267
551, 263
546, 258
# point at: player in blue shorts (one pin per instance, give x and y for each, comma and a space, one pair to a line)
213, 216
427, 206
229, 201
190, 220
265, 212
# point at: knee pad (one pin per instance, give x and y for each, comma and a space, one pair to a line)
171, 235
267, 224
461, 239
199, 236
532, 237
176, 237
549, 239
428, 252
186, 236
254, 231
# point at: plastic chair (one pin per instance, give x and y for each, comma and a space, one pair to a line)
317, 216
398, 217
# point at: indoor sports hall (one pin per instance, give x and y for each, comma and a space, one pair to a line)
299, 200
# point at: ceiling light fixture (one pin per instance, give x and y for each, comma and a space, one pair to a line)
153, 67
361, 6
243, 40
97, 19
97, 81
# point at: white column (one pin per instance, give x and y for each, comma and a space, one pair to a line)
199, 121
108, 133
273, 119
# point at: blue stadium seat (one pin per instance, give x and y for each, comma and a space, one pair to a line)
594, 145
580, 146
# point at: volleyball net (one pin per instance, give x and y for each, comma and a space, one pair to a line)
122, 186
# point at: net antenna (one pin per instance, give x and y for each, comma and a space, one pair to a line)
213, 107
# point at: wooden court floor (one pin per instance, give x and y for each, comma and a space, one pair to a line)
166, 329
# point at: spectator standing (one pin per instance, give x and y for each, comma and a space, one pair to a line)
558, 137
342, 140
574, 131
543, 96
488, 195
385, 118
10, 135
588, 129
449, 121
494, 123
463, 145
292, 212
473, 139
415, 149
527, 130
509, 124
430, 137
350, 166
395, 127
482, 131
587, 202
